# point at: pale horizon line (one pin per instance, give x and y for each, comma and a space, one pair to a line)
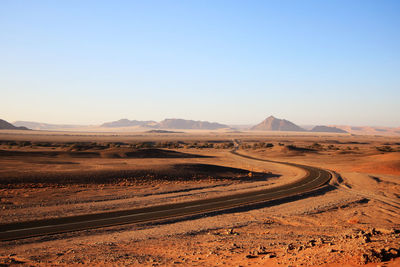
212, 121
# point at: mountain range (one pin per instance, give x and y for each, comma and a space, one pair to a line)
4, 125
128, 123
269, 124
167, 124
44, 126
274, 124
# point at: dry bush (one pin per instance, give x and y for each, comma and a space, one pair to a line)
385, 149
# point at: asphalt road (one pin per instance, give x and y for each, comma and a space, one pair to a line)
315, 178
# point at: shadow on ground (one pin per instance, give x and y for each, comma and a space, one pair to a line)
174, 172
111, 153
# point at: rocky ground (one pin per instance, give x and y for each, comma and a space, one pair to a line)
332, 228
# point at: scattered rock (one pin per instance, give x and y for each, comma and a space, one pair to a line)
366, 238
372, 232
388, 231
311, 243
375, 256
268, 222
394, 253
262, 250
16, 261
231, 231
234, 245
251, 256
289, 247
272, 255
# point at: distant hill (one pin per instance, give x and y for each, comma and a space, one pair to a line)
128, 123
43, 126
240, 127
273, 124
162, 131
190, 124
4, 125
369, 130
327, 129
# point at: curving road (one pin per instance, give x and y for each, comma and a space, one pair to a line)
315, 178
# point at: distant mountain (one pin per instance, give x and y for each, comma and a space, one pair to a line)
166, 124
4, 125
190, 124
128, 123
43, 126
327, 129
273, 124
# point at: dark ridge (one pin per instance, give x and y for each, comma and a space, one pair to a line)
160, 153
349, 143
218, 141
209, 168
162, 131
137, 153
177, 172
300, 149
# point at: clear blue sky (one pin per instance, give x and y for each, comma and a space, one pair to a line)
236, 62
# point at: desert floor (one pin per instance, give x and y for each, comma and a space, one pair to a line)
50, 174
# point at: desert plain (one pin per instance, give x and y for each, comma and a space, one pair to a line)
354, 220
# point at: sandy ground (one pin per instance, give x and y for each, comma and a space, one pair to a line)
25, 201
355, 222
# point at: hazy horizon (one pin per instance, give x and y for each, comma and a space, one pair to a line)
229, 124
232, 62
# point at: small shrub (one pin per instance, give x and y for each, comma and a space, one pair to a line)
385, 148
